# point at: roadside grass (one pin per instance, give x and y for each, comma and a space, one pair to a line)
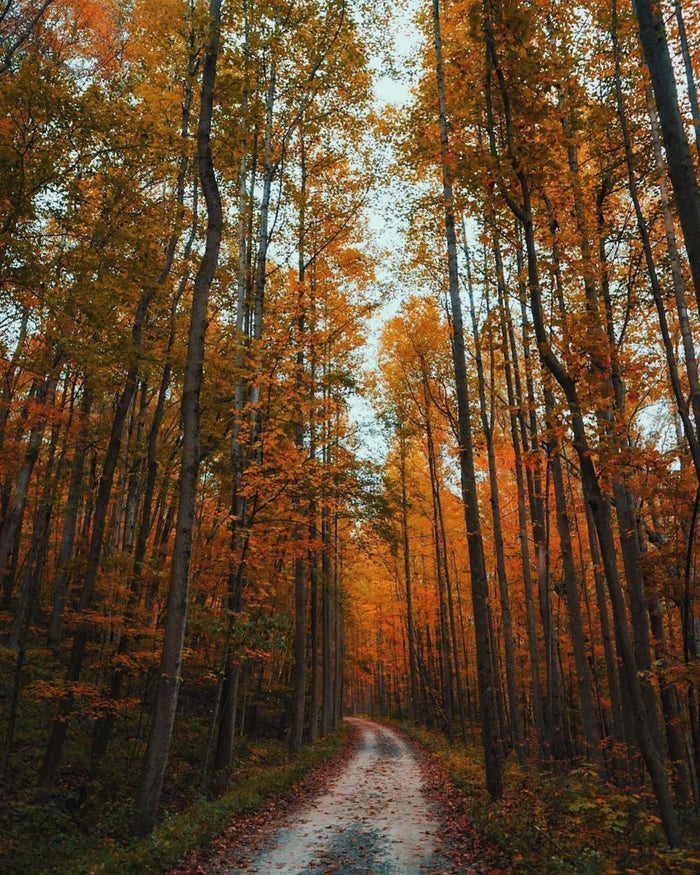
269, 771
564, 821
82, 824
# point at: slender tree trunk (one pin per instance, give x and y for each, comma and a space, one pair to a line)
297, 731
338, 631
327, 561
40, 532
440, 564
8, 377
622, 721
689, 73
471, 711
70, 520
578, 643
506, 619
12, 523
410, 622
479, 580
326, 620
151, 781
228, 690
315, 704
652, 36
513, 404
529, 434
135, 478
454, 660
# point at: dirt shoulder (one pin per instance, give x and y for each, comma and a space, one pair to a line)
463, 849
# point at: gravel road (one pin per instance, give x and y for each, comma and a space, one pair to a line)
372, 820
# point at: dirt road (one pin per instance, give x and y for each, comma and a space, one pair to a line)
372, 820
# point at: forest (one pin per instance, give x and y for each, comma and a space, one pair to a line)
322, 396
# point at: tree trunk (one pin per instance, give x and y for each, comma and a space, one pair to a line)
513, 404
578, 643
326, 618
516, 726
479, 580
12, 523
555, 736
151, 781
689, 73
652, 36
410, 622
70, 520
440, 565
297, 731
37, 547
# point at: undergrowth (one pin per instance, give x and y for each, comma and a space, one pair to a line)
565, 821
40, 834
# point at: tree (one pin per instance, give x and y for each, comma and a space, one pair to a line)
148, 796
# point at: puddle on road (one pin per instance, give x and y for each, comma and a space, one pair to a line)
387, 747
357, 851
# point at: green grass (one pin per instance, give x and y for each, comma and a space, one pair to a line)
271, 772
40, 834
565, 821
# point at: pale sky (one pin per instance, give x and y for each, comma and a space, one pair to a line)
392, 89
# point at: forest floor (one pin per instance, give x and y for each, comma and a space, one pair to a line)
385, 807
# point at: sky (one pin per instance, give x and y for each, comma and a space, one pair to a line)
392, 90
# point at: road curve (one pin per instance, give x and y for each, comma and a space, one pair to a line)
373, 820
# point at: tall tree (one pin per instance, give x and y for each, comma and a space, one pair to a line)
151, 782
479, 580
